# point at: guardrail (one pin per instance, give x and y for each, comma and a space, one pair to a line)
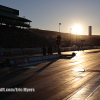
20, 51
39, 50
26, 60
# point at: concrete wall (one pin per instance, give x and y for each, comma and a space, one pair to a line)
18, 51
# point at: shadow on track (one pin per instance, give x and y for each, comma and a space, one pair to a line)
69, 56
5, 95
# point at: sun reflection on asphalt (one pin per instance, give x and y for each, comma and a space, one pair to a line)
80, 70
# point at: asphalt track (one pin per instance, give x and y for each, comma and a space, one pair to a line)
54, 79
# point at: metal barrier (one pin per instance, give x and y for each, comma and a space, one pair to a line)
39, 50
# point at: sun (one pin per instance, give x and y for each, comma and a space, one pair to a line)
77, 29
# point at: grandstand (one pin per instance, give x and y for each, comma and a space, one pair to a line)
13, 33
10, 17
66, 38
12, 37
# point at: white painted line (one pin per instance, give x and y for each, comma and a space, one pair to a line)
72, 95
92, 93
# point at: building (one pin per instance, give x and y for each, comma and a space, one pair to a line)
10, 17
90, 31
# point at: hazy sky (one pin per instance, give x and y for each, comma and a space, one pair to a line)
47, 14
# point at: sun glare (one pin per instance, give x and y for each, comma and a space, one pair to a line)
77, 29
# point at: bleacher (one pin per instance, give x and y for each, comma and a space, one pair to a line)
11, 37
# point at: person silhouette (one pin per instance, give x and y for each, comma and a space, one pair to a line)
49, 50
44, 50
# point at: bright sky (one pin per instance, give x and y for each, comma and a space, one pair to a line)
47, 14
